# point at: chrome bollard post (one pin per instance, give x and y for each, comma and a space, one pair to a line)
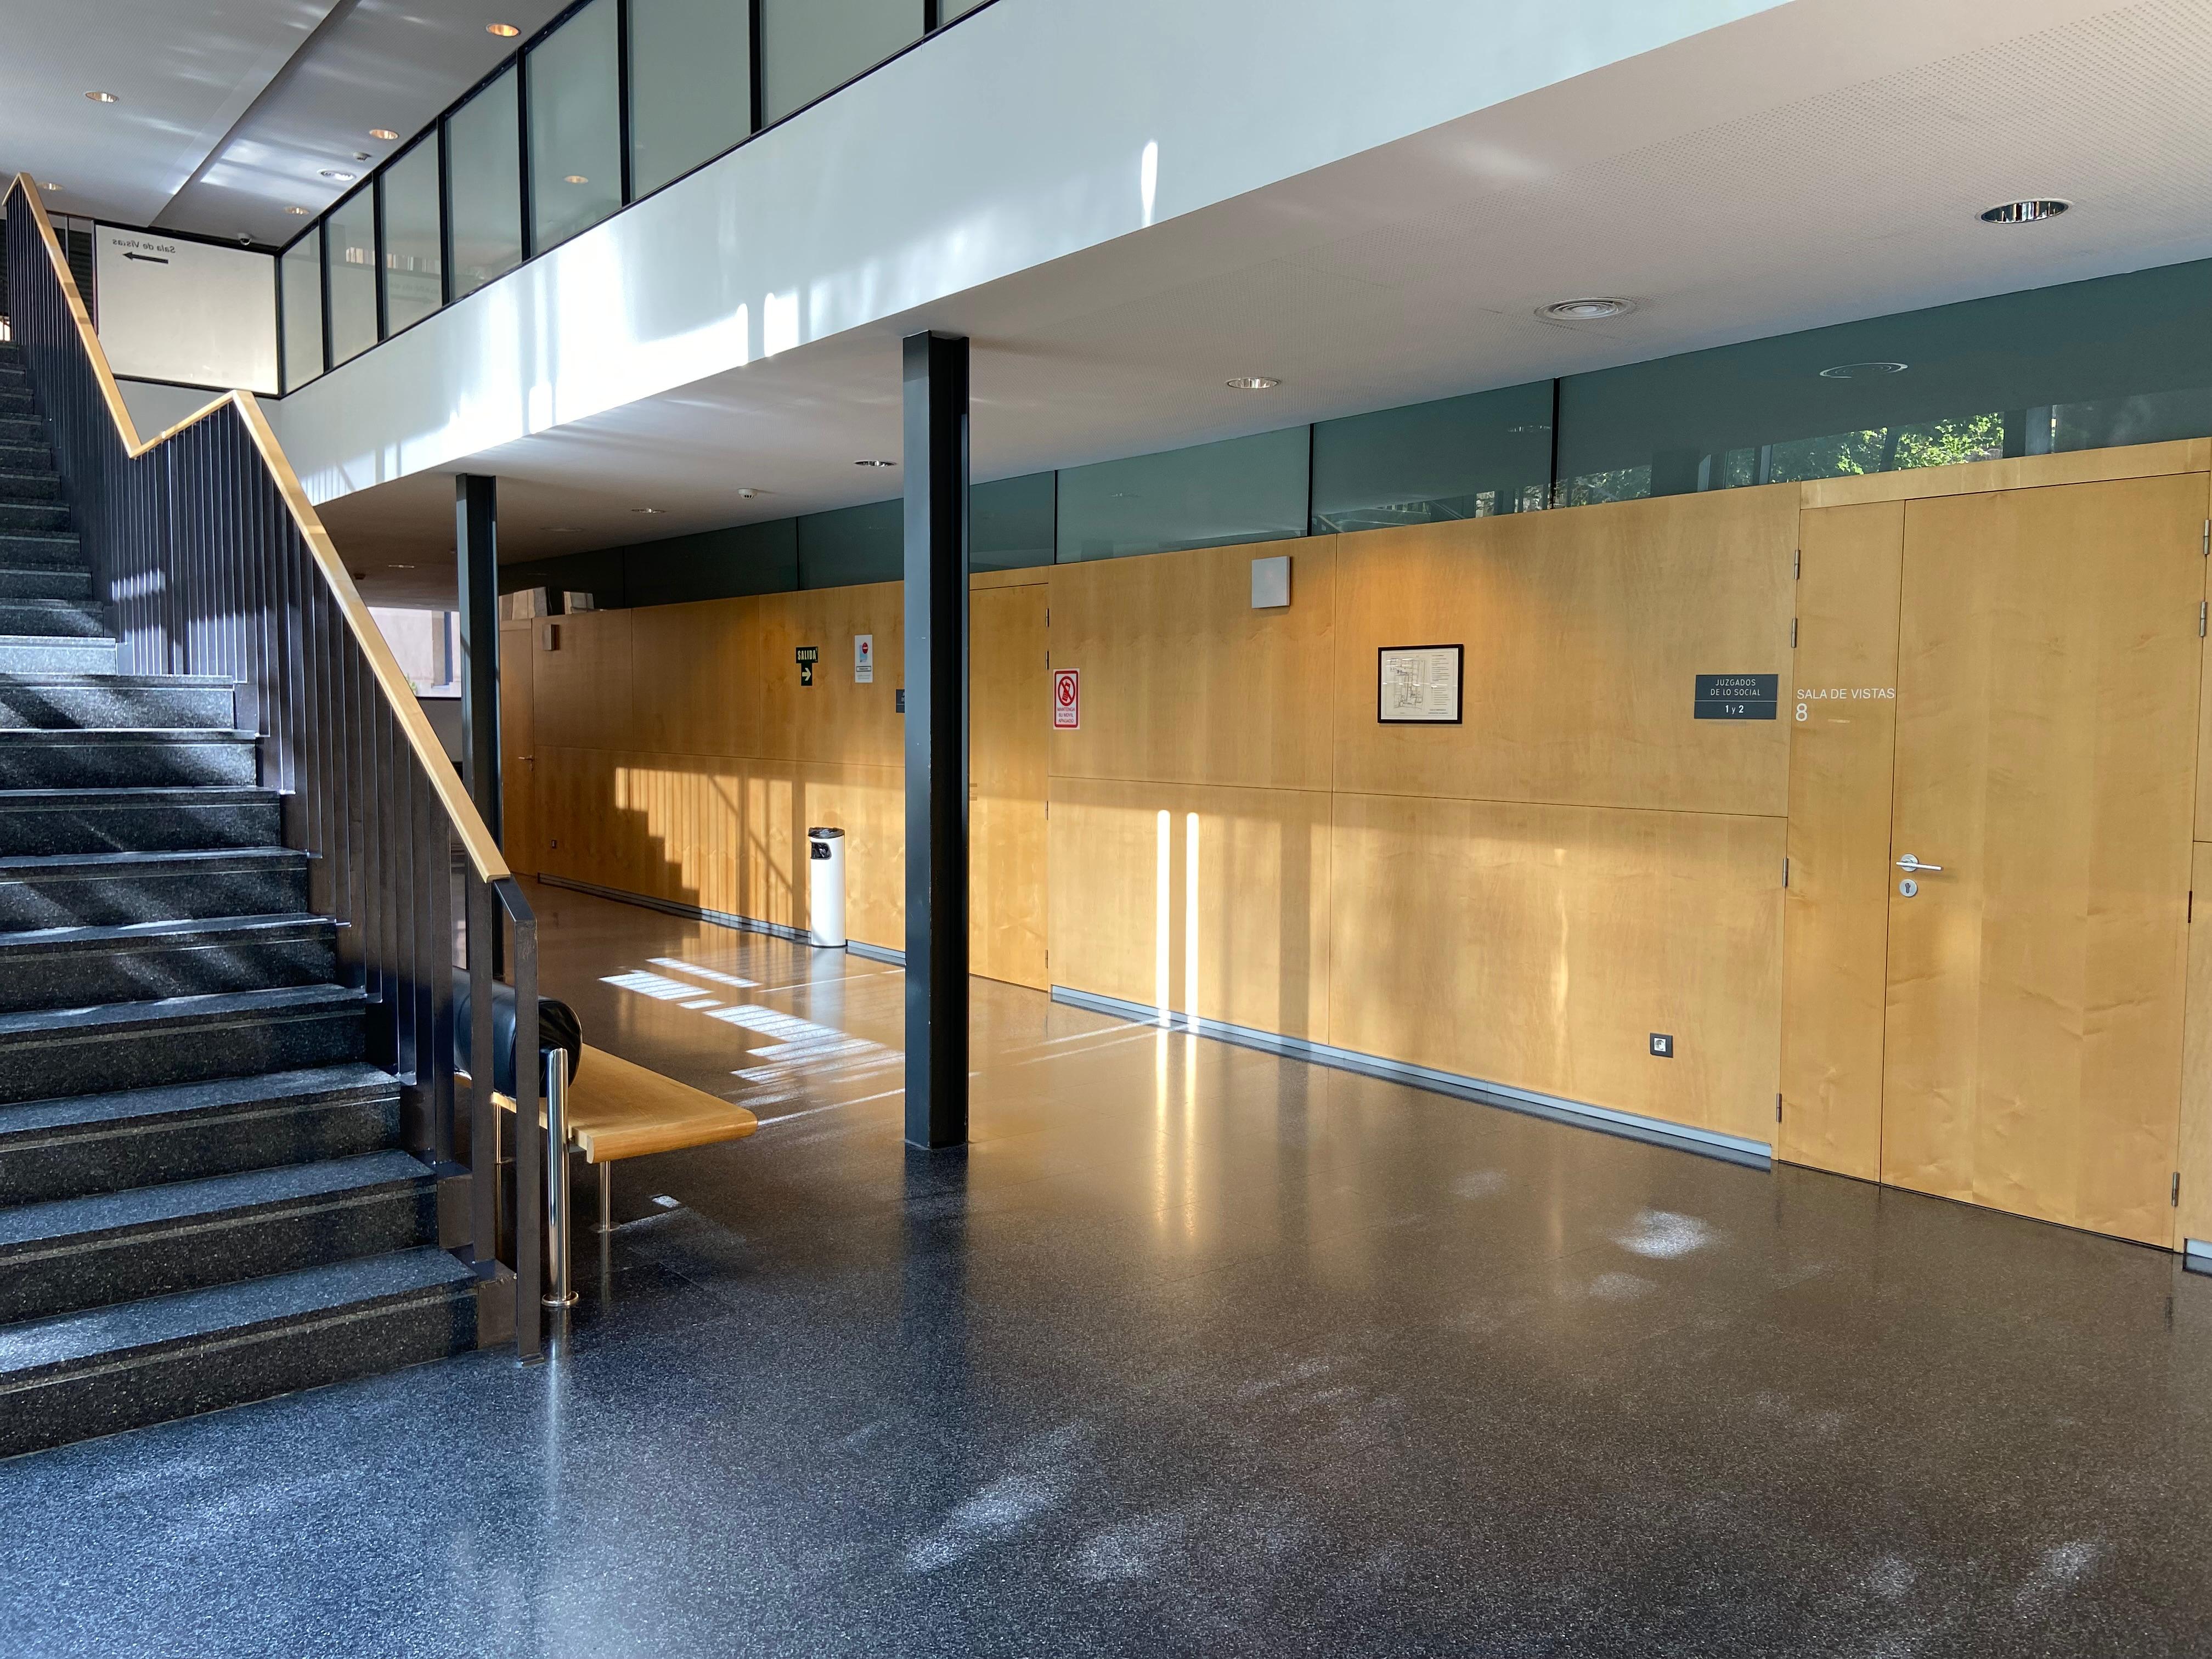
559, 1294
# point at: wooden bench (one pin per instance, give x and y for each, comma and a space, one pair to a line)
617, 1110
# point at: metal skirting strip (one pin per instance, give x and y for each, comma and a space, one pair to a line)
724, 919
1753, 1154
2196, 1255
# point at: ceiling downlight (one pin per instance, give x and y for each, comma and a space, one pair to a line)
101, 97
1592, 308
2032, 212
1866, 371
1254, 382
505, 31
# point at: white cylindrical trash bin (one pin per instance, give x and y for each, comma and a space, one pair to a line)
825, 887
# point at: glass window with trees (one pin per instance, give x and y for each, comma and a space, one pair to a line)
483, 172
809, 48
300, 275
413, 238
349, 255
575, 121
690, 86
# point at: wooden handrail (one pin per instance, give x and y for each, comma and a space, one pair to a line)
468, 823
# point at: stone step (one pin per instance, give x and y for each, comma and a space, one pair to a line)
46, 654
45, 581
22, 430
34, 515
141, 960
31, 486
34, 457
16, 400
136, 1045
92, 890
109, 1369
51, 823
75, 1253
104, 1143
21, 548
31, 758
171, 701
63, 619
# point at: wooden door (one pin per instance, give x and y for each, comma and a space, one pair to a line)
2046, 714
518, 747
1011, 694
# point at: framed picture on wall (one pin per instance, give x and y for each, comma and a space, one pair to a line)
1418, 684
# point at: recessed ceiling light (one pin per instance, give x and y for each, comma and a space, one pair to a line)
505, 31
403, 566
560, 529
302, 211
2024, 213
576, 178
101, 97
875, 464
1862, 371
342, 176
648, 509
1590, 310
385, 133
49, 185
1255, 383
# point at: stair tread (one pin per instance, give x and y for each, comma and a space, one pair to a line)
166, 929
37, 1345
108, 1017
41, 678
136, 794
211, 860
35, 737
33, 1226
310, 1085
87, 641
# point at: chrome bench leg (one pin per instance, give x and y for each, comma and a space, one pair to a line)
560, 1294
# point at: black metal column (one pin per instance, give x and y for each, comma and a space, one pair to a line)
476, 530
936, 375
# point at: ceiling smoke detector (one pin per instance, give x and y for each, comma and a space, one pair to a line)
2025, 213
1868, 371
1254, 382
1592, 309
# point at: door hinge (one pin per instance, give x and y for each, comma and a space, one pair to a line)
1797, 565
2201, 608
2206, 548
2173, 1197
2190, 914
1777, 1108
1785, 873
1793, 633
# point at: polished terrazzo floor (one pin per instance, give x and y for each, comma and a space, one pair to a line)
1196, 1351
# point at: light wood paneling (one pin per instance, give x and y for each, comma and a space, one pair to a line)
2193, 1216
1010, 699
696, 678
519, 835
2047, 692
583, 689
834, 720
1263, 909
2020, 472
1184, 682
1843, 722
1541, 947
1584, 632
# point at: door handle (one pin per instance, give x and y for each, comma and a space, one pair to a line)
1909, 862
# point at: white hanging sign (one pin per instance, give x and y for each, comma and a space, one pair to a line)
864, 659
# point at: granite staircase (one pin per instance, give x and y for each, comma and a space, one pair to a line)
204, 1197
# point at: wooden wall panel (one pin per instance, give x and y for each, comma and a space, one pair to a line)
1842, 729
834, 720
2193, 1216
1263, 910
1541, 947
1184, 682
583, 689
520, 837
694, 669
1584, 631
1012, 722
2020, 472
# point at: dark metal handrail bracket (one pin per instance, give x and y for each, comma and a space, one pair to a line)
214, 562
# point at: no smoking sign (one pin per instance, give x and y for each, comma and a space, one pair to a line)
1066, 699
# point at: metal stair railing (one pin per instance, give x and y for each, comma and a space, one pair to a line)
212, 560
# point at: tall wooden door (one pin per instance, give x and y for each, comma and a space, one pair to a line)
1011, 698
518, 747
2046, 720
